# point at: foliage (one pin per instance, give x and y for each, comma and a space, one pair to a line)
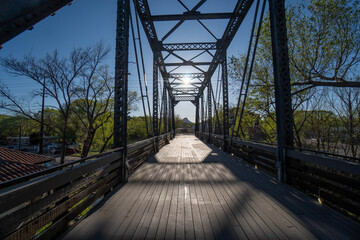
136, 129
59, 76
323, 41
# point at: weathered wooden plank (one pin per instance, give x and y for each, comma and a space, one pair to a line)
215, 220
337, 176
147, 219
197, 188
9, 222
276, 222
303, 206
222, 210
263, 147
62, 223
126, 229
163, 221
12, 197
340, 165
171, 222
29, 230
99, 226
152, 221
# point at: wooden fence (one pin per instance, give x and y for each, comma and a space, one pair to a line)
333, 179
44, 204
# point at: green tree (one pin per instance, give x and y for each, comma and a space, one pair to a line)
59, 77
94, 104
103, 138
323, 39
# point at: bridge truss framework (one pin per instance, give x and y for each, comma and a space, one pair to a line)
199, 92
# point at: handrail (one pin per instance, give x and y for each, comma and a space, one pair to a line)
333, 163
58, 195
54, 169
333, 180
293, 147
66, 165
328, 153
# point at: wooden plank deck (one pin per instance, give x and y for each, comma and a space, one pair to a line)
191, 190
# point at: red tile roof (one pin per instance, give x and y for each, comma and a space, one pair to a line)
22, 157
11, 170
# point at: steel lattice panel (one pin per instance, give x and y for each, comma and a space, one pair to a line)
188, 46
184, 98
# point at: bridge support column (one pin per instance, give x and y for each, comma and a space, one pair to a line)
225, 99
155, 101
197, 121
121, 82
202, 112
209, 110
169, 115
284, 114
173, 116
165, 113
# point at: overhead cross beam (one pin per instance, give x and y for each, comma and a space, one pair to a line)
187, 63
184, 98
188, 46
189, 75
191, 16
181, 21
241, 9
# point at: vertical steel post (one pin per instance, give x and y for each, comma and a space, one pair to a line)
284, 115
202, 112
155, 96
170, 115
173, 116
225, 99
121, 81
197, 117
165, 109
209, 110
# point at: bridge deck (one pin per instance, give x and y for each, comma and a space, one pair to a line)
192, 190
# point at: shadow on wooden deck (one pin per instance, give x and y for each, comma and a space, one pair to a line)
192, 190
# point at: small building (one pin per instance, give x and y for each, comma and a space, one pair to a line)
25, 140
15, 164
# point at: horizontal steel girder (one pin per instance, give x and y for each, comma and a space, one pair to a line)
184, 98
187, 63
181, 83
191, 16
185, 90
188, 46
184, 75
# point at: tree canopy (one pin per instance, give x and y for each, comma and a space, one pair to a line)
323, 41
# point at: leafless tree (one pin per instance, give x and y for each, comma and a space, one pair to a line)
61, 74
345, 104
94, 103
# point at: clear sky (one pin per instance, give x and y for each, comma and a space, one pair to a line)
87, 21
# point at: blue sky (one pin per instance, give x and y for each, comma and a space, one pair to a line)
87, 21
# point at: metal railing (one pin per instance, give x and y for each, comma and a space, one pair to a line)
331, 178
42, 205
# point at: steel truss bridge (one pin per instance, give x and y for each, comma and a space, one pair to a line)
56, 196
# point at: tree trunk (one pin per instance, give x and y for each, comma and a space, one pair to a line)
63, 145
351, 128
87, 143
106, 142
